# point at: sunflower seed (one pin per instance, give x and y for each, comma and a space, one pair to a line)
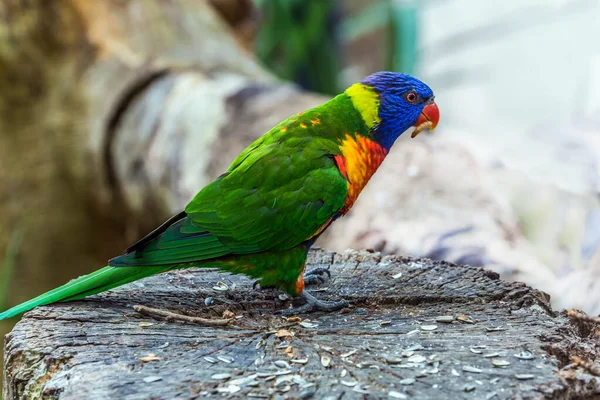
221, 377
500, 363
417, 358
258, 395
525, 355
150, 379
385, 323
454, 372
428, 327
299, 361
468, 368
412, 332
260, 344
445, 319
281, 364
476, 351
397, 276
494, 381
407, 353
225, 359
495, 329
348, 383
415, 347
221, 286
408, 381
211, 360
490, 395
397, 395
393, 360
308, 325
348, 354
465, 319
524, 376
469, 387
325, 361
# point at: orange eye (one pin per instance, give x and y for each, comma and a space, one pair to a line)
411, 97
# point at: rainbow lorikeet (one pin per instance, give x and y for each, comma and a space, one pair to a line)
261, 216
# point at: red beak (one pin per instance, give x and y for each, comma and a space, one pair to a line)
429, 118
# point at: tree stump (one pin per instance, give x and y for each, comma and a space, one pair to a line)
416, 329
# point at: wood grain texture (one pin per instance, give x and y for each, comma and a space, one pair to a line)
379, 348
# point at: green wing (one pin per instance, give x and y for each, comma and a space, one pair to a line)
277, 194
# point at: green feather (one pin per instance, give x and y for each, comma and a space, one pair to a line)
87, 285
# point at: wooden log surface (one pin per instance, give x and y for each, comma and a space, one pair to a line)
396, 341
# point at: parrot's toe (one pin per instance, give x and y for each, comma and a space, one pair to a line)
313, 304
316, 276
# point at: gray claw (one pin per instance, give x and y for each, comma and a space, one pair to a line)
314, 304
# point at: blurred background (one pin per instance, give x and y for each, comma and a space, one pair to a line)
113, 114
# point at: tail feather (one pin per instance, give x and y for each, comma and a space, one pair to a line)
104, 279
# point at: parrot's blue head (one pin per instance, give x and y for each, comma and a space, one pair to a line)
404, 102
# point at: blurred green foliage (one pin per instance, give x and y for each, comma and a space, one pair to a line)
304, 40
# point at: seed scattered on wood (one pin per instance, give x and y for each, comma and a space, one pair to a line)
283, 333
412, 332
428, 327
150, 379
385, 323
476, 351
523, 377
348, 354
500, 363
299, 361
397, 395
495, 329
465, 319
260, 344
281, 364
293, 319
282, 345
150, 358
348, 383
228, 314
397, 276
225, 359
455, 372
220, 377
408, 353
445, 319
415, 347
525, 355
145, 324
417, 358
491, 395
325, 361
211, 360
494, 381
469, 387
221, 286
308, 325
468, 368
208, 301
408, 381
258, 395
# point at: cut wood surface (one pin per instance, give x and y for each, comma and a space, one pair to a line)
416, 329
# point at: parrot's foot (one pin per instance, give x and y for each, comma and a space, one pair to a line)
316, 276
314, 304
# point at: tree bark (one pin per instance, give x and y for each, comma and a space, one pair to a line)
416, 329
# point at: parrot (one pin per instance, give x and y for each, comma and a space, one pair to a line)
263, 214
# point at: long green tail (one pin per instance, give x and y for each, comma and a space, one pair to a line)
87, 285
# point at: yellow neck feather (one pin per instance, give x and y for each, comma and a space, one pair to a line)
366, 101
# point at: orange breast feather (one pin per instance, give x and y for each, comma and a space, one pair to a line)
359, 160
